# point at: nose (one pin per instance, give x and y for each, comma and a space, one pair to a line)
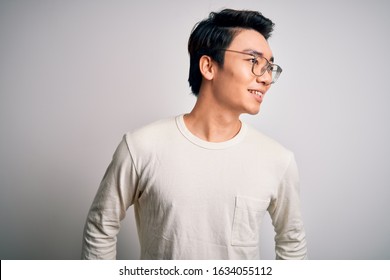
265, 79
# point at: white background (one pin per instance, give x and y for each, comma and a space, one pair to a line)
76, 75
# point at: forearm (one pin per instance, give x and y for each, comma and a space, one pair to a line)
116, 193
291, 244
99, 241
285, 211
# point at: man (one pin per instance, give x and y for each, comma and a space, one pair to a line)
201, 183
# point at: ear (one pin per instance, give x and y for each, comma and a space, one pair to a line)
207, 67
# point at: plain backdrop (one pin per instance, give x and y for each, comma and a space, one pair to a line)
76, 75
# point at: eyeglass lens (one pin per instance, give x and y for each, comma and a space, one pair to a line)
263, 65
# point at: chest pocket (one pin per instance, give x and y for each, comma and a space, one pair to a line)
248, 215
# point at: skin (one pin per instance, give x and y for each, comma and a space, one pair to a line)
224, 94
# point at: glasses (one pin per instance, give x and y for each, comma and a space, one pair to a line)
260, 65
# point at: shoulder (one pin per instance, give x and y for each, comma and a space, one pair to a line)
262, 139
152, 129
267, 146
151, 135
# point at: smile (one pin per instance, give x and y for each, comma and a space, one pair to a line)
258, 93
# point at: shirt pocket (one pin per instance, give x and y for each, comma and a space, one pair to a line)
248, 215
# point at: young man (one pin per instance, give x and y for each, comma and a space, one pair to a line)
201, 183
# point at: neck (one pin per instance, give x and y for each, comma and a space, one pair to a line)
211, 123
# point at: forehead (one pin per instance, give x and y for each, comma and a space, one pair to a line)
248, 39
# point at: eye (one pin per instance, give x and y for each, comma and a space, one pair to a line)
254, 60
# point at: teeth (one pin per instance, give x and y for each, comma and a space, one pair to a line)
256, 92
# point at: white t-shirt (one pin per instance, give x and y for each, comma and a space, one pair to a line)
195, 199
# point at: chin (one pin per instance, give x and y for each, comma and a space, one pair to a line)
253, 111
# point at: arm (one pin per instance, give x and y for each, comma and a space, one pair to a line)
290, 242
116, 193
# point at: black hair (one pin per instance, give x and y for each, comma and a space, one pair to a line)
215, 33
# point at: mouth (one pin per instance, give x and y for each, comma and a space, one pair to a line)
257, 93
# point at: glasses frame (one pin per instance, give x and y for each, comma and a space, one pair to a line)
268, 66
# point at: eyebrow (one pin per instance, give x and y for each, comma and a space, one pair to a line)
252, 51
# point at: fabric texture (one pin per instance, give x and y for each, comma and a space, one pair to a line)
195, 199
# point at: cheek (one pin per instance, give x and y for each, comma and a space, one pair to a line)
234, 80
242, 77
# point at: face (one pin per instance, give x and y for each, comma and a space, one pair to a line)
235, 87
